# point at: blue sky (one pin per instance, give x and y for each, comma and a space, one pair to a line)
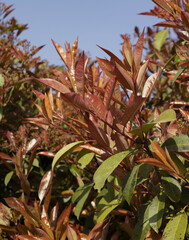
94, 22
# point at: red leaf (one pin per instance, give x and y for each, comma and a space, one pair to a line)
109, 92
53, 84
149, 84
141, 74
61, 52
98, 134
80, 74
106, 66
45, 185
95, 104
75, 100
185, 18
164, 5
124, 77
54, 215
168, 24
132, 108
137, 54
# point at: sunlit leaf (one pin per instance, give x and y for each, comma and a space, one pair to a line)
60, 51
163, 4
8, 177
62, 153
176, 227
85, 157
130, 183
71, 233
160, 38
178, 143
48, 107
141, 74
80, 74
137, 54
107, 167
95, 104
45, 185
149, 84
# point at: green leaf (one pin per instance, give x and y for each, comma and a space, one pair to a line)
2, 80
166, 116
160, 38
80, 196
176, 227
178, 143
172, 188
107, 167
179, 72
156, 211
142, 226
107, 209
130, 183
62, 153
85, 157
8, 177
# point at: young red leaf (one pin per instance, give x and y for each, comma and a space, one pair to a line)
127, 50
60, 51
124, 77
98, 134
137, 54
95, 104
46, 224
80, 74
132, 109
185, 18
75, 100
149, 84
54, 215
164, 5
106, 66
45, 185
53, 84
109, 92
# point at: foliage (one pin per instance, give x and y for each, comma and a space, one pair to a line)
126, 142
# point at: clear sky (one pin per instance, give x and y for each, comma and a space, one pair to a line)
98, 22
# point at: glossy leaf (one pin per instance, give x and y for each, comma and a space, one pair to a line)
141, 74
156, 211
62, 153
46, 224
149, 84
172, 188
45, 185
60, 51
80, 196
178, 143
107, 167
96, 229
130, 184
85, 157
176, 227
160, 38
